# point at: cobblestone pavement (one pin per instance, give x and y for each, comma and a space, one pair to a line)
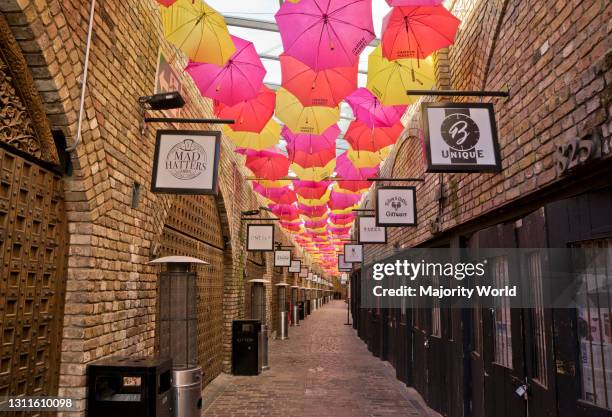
323, 369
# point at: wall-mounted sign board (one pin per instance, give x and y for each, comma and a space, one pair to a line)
304, 273
353, 253
461, 137
282, 258
396, 206
369, 232
343, 266
186, 162
260, 237
295, 266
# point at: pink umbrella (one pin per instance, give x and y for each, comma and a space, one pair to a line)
342, 218
342, 201
324, 33
311, 143
281, 195
368, 109
250, 115
238, 80
346, 169
267, 164
317, 224
311, 189
287, 212
312, 211
396, 3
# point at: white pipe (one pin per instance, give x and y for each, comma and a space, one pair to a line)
84, 83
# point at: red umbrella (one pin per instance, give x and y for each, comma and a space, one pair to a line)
281, 195
324, 33
417, 32
395, 3
287, 212
310, 160
250, 115
363, 138
342, 201
317, 88
269, 165
238, 80
368, 109
311, 189
166, 3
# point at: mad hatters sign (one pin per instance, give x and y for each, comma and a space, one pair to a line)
282, 258
353, 253
369, 232
396, 206
186, 162
260, 237
461, 137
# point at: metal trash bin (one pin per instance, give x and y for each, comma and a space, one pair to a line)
187, 392
246, 359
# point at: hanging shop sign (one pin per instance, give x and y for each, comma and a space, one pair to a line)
369, 232
396, 206
353, 253
309, 277
282, 258
295, 266
343, 266
186, 162
461, 137
344, 278
303, 273
260, 237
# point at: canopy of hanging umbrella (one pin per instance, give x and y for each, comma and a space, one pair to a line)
166, 3
301, 119
267, 164
315, 201
363, 138
326, 34
341, 201
283, 195
397, 3
309, 160
310, 143
315, 224
198, 30
317, 88
293, 227
311, 189
313, 211
238, 80
269, 136
342, 218
367, 159
249, 115
287, 212
314, 173
346, 170
368, 109
417, 31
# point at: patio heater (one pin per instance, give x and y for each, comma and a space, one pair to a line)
295, 313
258, 312
283, 330
178, 332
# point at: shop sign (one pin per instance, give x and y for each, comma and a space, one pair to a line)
353, 253
396, 206
260, 237
461, 137
186, 162
295, 266
343, 266
282, 258
304, 273
369, 232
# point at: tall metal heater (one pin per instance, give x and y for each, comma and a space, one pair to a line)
283, 309
295, 314
178, 332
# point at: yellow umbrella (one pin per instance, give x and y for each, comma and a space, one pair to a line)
346, 210
314, 173
367, 159
315, 201
274, 184
300, 119
389, 80
198, 30
269, 136
336, 188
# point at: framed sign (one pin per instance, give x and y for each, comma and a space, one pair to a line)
282, 258
309, 278
303, 273
295, 266
343, 266
186, 162
396, 206
353, 253
461, 137
260, 237
369, 232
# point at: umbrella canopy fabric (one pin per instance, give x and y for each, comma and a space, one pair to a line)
317, 88
301, 119
166, 3
315, 201
314, 173
397, 3
346, 170
326, 33
238, 80
249, 115
286, 212
310, 160
198, 30
312, 211
417, 31
363, 138
389, 80
310, 143
366, 159
269, 136
341, 201
342, 219
311, 189
368, 109
266, 164
283, 195
355, 186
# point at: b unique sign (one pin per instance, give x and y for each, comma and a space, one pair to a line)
282, 258
369, 232
260, 237
353, 253
396, 206
186, 162
461, 137
343, 266
295, 266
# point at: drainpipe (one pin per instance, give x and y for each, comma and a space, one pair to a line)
84, 81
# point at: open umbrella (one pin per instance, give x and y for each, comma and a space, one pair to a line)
389, 80
311, 189
315, 201
301, 119
266, 164
250, 115
342, 201
346, 169
314, 173
368, 109
367, 159
286, 212
317, 88
312, 211
310, 143
342, 219
417, 31
283, 195
316, 159
198, 30
239, 79
396, 3
166, 3
363, 138
269, 136
326, 33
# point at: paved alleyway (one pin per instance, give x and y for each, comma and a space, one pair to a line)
323, 369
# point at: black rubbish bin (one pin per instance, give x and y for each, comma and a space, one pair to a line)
245, 347
134, 387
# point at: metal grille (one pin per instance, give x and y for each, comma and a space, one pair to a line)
538, 329
595, 322
502, 317
32, 276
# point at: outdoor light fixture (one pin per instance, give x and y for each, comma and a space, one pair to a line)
162, 101
250, 212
